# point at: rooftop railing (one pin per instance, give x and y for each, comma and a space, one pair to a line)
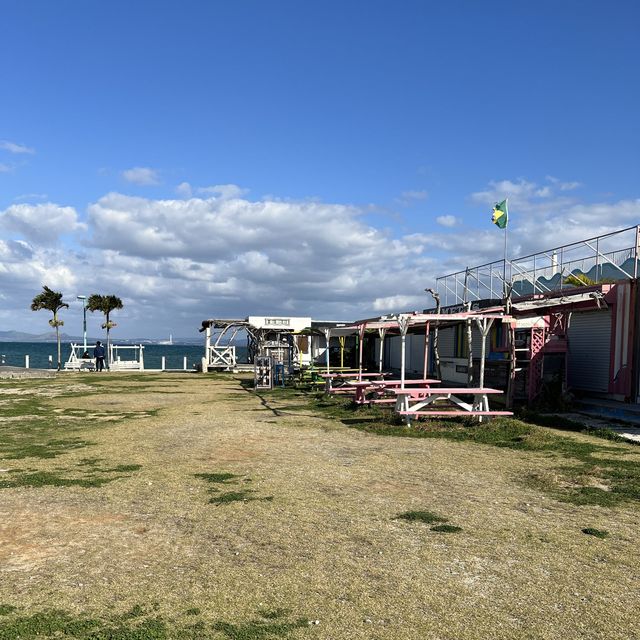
606, 258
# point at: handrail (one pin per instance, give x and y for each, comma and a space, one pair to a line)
538, 270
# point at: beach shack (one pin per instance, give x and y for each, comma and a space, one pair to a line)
576, 323
283, 338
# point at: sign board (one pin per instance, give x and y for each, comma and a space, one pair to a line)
280, 322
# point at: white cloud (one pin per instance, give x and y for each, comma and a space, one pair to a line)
142, 176
5, 168
13, 147
400, 303
520, 191
243, 256
569, 186
41, 223
223, 190
409, 197
447, 221
184, 190
414, 195
31, 196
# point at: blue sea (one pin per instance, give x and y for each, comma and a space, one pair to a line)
43, 355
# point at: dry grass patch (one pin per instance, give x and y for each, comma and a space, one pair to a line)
146, 555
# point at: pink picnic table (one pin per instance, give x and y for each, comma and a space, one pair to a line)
379, 387
344, 377
413, 403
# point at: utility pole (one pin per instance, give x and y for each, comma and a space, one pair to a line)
84, 322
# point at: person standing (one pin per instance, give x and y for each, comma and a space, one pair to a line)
98, 354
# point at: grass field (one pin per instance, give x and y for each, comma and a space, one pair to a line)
186, 506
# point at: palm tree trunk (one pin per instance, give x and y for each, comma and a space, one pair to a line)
108, 354
55, 320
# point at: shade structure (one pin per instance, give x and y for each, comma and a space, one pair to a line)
403, 322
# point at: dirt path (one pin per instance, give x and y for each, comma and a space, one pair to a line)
311, 532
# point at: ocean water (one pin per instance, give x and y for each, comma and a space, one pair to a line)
13, 354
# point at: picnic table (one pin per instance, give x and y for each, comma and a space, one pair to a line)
340, 379
413, 403
312, 374
380, 387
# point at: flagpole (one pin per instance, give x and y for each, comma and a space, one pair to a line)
504, 264
504, 260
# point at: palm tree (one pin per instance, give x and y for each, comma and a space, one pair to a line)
105, 304
52, 301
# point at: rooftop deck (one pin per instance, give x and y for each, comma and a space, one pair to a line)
605, 258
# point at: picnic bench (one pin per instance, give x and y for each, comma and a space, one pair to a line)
337, 382
415, 403
379, 388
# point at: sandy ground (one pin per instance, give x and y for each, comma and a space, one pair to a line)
320, 538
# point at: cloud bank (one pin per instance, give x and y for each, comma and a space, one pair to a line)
215, 252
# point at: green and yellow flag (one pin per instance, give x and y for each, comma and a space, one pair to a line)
500, 215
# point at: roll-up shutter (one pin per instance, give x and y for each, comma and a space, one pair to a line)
446, 342
589, 350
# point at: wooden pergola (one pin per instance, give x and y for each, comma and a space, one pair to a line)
402, 322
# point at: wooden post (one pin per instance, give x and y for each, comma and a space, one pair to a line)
484, 326
327, 335
468, 330
26, 361
469, 353
184, 363
512, 365
436, 351
163, 363
361, 330
381, 332
425, 365
403, 325
141, 357
207, 348
341, 340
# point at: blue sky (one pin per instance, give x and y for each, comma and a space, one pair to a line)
405, 118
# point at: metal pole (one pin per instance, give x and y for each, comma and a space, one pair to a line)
84, 322
504, 261
425, 368
84, 325
635, 253
483, 351
466, 286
